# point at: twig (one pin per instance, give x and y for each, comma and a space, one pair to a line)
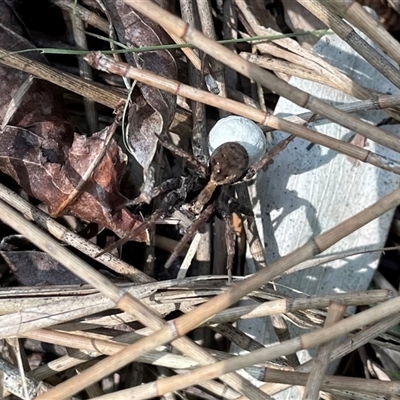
84, 71
335, 382
321, 361
109, 65
189, 257
180, 326
83, 13
95, 91
356, 14
348, 34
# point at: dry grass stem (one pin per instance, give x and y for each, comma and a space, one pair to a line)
347, 33
172, 330
189, 53
90, 90
65, 235
97, 347
332, 257
83, 13
277, 65
109, 65
187, 261
362, 20
372, 386
266, 79
88, 321
321, 360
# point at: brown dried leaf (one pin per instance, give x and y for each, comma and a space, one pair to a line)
83, 182
71, 173
33, 268
155, 114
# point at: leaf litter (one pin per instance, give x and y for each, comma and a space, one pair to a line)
73, 174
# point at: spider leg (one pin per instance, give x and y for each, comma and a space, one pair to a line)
190, 232
166, 186
269, 155
165, 206
253, 238
230, 246
226, 205
198, 166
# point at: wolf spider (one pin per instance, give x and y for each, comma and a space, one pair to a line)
228, 167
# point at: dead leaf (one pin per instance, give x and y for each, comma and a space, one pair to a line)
83, 182
70, 173
32, 267
156, 112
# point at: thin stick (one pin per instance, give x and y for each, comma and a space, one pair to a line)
187, 261
109, 65
351, 344
321, 360
356, 14
268, 80
348, 34
85, 71
302, 342
174, 329
75, 84
86, 15
335, 382
62, 233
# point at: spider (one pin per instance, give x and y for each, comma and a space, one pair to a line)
214, 183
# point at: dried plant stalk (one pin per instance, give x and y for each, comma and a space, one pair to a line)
109, 65
83, 13
321, 361
174, 329
362, 20
336, 382
347, 33
65, 235
268, 80
75, 84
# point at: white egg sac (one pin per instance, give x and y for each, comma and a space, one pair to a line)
240, 130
